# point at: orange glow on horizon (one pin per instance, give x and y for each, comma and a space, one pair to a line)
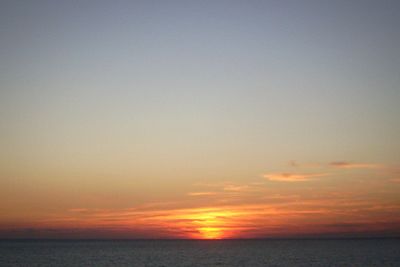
210, 224
284, 216
211, 232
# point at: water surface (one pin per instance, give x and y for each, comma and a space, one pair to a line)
353, 252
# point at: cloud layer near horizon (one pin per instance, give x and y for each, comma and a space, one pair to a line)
238, 210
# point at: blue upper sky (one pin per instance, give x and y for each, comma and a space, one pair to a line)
194, 90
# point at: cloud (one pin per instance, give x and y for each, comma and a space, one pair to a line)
196, 194
78, 210
283, 214
296, 164
336, 164
352, 165
293, 163
236, 188
293, 177
227, 187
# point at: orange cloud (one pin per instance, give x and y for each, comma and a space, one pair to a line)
276, 215
227, 187
293, 177
78, 210
196, 194
235, 188
233, 210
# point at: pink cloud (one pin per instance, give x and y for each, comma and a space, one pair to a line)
293, 177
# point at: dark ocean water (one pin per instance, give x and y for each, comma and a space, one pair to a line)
361, 252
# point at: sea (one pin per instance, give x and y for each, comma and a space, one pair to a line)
175, 253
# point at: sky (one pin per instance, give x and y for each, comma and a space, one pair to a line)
199, 119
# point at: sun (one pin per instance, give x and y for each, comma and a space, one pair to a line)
206, 223
211, 224
211, 232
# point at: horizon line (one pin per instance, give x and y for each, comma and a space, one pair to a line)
199, 239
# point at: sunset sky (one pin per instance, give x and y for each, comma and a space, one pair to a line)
199, 119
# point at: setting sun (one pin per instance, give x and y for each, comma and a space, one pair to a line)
210, 224
211, 232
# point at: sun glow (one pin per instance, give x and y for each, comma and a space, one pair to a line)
211, 224
211, 232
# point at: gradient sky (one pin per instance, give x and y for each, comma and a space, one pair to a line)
199, 119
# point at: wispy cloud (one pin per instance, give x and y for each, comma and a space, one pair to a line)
290, 215
78, 210
293, 177
295, 164
395, 180
342, 164
196, 194
227, 187
236, 188
353, 165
